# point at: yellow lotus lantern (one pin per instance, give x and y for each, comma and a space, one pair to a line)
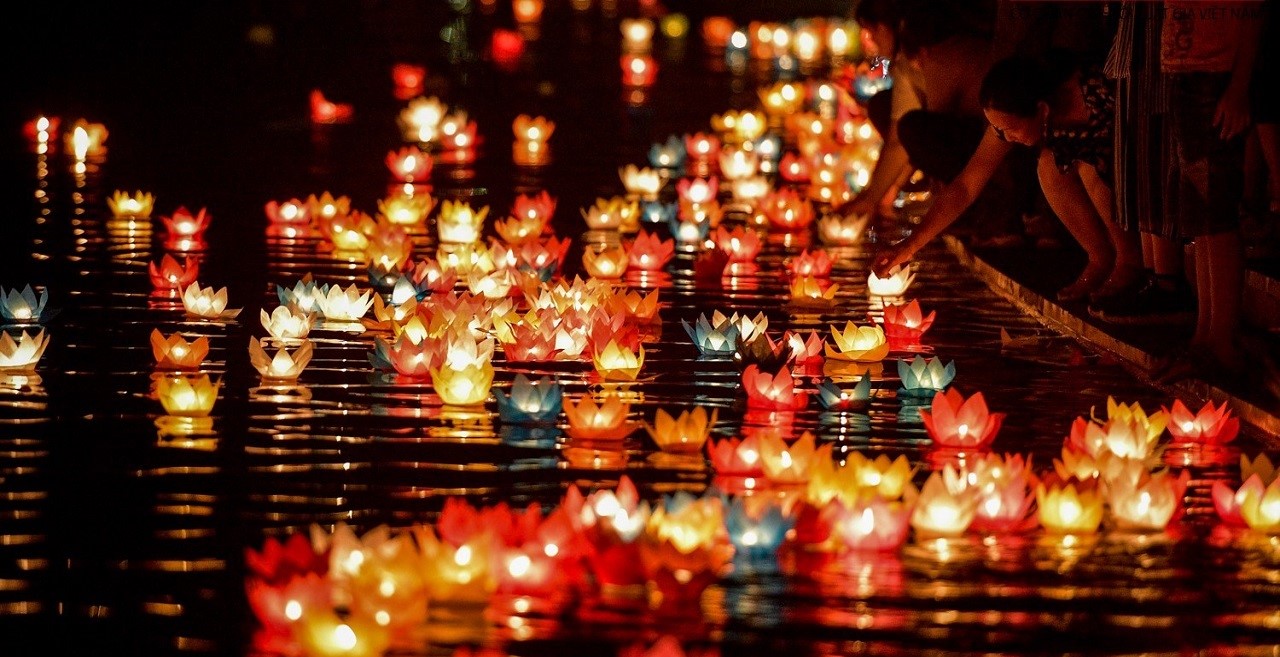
782, 99
738, 163
21, 354
608, 263
531, 135
1066, 510
893, 285
176, 353
1260, 507
683, 434
842, 231
1148, 503
615, 213
344, 305
643, 183
321, 633
591, 421
637, 34
808, 291
942, 509
458, 223
749, 191
408, 211
285, 325
617, 363
137, 206
187, 397
1076, 464
1121, 436
463, 387
420, 120
862, 344
1152, 425
455, 573
205, 303
790, 464
749, 328
282, 366
890, 478
519, 229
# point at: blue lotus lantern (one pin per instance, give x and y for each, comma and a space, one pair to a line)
832, 397
670, 154
657, 212
529, 401
712, 340
756, 533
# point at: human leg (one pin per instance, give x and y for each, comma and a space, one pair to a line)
1068, 199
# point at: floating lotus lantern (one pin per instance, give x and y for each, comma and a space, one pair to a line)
87, 140
187, 397
326, 207
23, 307
1258, 476
670, 154
816, 263
1122, 437
591, 421
291, 219
1152, 425
861, 344
409, 164
738, 164
638, 306
608, 263
518, 230
954, 421
683, 550
611, 521
697, 191
324, 634
279, 606
1066, 510
637, 34
787, 210
804, 351
463, 387
205, 303
942, 509
789, 465
685, 433
773, 391
748, 327
641, 183
344, 305
811, 292
871, 524
408, 211
617, 363
649, 252
1210, 425
349, 233
531, 135
1149, 503
756, 530
285, 325
749, 191
183, 225
326, 112
611, 214
22, 354
741, 244
842, 230
1004, 496
389, 587
781, 99
690, 233
457, 140
40, 131
458, 223
455, 573
539, 401
176, 353
794, 168
409, 79
711, 340
733, 457
125, 207
420, 120
638, 70
832, 397
283, 366
925, 378
905, 324
893, 285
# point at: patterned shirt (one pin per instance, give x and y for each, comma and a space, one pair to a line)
1090, 143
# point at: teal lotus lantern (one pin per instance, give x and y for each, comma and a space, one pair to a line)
923, 378
832, 397
711, 340
530, 401
22, 307
756, 527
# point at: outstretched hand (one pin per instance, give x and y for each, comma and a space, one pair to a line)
890, 259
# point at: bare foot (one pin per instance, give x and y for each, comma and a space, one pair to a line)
1122, 279
1090, 279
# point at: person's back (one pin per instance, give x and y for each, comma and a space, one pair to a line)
951, 72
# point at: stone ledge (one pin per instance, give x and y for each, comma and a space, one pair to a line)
1257, 419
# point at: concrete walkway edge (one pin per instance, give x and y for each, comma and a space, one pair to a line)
1254, 419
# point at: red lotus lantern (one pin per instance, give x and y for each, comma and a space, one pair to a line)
956, 422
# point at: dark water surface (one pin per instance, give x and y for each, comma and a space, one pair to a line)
117, 540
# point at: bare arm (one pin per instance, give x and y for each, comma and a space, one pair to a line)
954, 199
1232, 114
889, 168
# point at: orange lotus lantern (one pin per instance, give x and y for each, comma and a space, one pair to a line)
893, 285
773, 391
812, 292
283, 366
787, 210
409, 164
324, 634
683, 548
279, 605
795, 168
1123, 437
608, 263
205, 303
683, 434
871, 523
326, 207
789, 465
187, 397
810, 263
458, 223
324, 111
956, 422
176, 353
861, 344
1068, 510
1210, 425
591, 421
842, 231
617, 363
741, 244
168, 277
290, 219
138, 206
455, 573
408, 211
649, 252
531, 135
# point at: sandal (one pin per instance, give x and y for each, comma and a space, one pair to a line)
1081, 288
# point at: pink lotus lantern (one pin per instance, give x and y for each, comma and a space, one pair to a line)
810, 263
1259, 478
696, 191
794, 168
649, 252
905, 324
182, 225
611, 522
871, 524
733, 457
1003, 491
326, 112
804, 351
772, 391
409, 164
169, 278
701, 147
1148, 503
1209, 425
956, 422
638, 70
741, 244
289, 219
